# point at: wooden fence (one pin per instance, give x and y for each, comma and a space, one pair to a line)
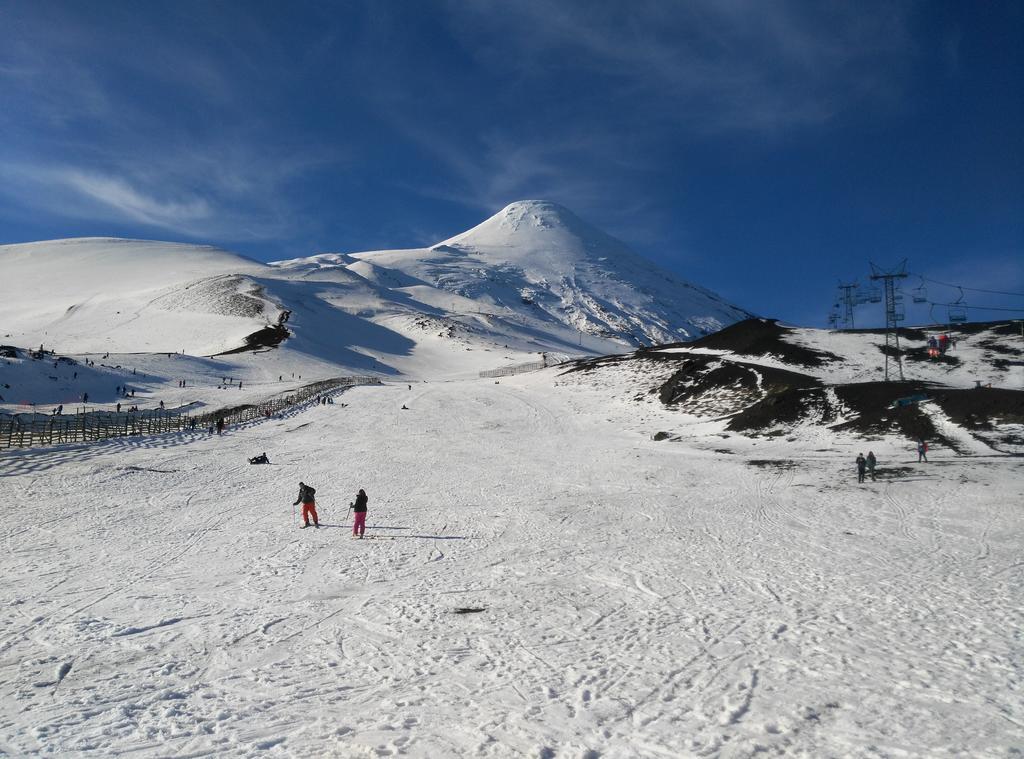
30, 430
532, 366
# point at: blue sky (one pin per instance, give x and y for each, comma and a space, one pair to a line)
765, 150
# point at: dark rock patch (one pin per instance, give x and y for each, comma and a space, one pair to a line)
871, 402
762, 337
269, 337
905, 333
699, 375
978, 408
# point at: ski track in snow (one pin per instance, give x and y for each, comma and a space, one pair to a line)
639, 598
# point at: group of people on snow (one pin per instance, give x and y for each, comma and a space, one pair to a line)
307, 497
866, 464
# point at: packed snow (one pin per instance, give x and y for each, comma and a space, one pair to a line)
721, 596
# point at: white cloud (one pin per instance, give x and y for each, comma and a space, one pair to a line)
707, 64
124, 200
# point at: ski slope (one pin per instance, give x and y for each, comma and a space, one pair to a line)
718, 596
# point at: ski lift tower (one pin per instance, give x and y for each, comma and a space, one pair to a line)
848, 298
892, 315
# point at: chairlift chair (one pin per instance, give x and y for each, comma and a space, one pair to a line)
874, 295
957, 314
920, 293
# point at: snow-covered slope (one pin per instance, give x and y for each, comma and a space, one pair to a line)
760, 379
540, 579
539, 260
95, 295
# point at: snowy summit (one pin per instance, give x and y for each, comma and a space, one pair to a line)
540, 259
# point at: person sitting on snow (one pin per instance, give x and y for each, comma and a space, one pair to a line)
261, 459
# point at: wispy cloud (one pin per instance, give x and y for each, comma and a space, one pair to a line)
199, 192
122, 199
581, 102
713, 64
130, 122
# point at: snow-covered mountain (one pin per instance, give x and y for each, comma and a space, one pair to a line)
540, 261
532, 279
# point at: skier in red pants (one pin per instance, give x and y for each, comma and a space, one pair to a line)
359, 514
306, 494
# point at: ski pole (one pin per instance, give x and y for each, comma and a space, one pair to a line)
348, 512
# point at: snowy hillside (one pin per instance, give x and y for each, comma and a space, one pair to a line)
534, 279
540, 578
760, 379
538, 260
94, 295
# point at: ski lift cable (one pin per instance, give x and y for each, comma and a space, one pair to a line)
959, 304
972, 289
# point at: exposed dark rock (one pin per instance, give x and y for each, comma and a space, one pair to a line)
762, 337
269, 337
871, 402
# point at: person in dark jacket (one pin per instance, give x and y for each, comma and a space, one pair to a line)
871, 464
306, 494
862, 465
261, 459
922, 451
359, 514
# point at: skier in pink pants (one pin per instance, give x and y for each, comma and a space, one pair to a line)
359, 514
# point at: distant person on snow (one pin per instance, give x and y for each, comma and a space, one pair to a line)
871, 464
359, 514
922, 451
261, 459
220, 425
306, 494
862, 465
